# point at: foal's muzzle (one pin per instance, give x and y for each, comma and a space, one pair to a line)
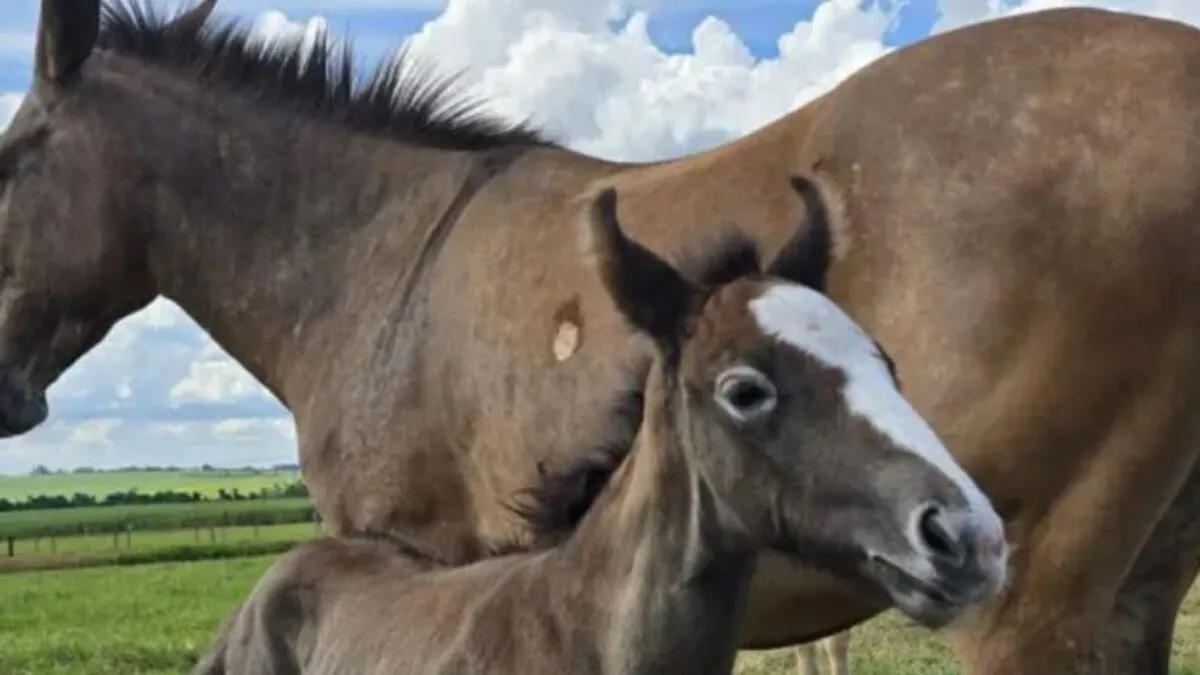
959, 558
22, 405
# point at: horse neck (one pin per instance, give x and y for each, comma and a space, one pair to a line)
661, 563
256, 217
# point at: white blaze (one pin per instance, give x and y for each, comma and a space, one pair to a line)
812, 323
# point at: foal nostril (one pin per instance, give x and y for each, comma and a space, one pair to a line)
938, 540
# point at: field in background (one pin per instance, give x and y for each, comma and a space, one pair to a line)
98, 484
155, 620
92, 519
164, 575
139, 548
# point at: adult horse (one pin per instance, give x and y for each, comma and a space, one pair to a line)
1015, 215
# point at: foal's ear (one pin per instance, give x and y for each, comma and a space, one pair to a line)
649, 292
804, 259
67, 32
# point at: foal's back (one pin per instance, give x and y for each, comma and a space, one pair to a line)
386, 606
278, 629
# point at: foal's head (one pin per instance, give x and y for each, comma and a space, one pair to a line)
791, 414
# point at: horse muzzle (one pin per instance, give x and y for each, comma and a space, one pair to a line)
958, 559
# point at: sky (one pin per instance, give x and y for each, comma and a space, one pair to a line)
622, 79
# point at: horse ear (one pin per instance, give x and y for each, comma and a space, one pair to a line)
67, 32
649, 292
805, 258
194, 19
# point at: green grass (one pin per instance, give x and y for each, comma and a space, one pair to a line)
156, 619
145, 620
42, 523
207, 483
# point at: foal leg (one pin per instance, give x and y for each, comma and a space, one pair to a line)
806, 659
837, 651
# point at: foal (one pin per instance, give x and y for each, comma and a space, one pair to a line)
769, 419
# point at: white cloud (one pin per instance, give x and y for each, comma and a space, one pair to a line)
254, 429
159, 391
93, 432
110, 444
275, 25
217, 380
616, 94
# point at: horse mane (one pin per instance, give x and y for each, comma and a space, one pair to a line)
563, 496
720, 259
401, 98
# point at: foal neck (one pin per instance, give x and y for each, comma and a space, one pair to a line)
664, 568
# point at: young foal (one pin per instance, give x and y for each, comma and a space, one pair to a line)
760, 428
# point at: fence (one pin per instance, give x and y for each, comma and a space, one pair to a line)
125, 537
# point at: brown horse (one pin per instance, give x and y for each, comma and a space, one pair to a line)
769, 419
1015, 207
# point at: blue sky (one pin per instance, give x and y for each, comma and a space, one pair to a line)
702, 72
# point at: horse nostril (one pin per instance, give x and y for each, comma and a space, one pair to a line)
939, 541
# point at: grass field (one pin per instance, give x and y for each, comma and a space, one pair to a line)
155, 619
25, 524
207, 483
147, 547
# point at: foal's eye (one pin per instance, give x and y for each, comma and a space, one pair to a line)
745, 393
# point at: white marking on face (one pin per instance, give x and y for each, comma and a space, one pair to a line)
812, 323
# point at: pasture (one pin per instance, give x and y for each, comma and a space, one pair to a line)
155, 619
100, 483
61, 522
133, 548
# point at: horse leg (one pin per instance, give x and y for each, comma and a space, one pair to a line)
1139, 635
1055, 618
806, 659
837, 651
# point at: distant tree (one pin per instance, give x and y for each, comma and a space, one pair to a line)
40, 470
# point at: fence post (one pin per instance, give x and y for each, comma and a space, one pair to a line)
129, 535
53, 544
12, 547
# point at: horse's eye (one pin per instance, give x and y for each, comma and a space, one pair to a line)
745, 393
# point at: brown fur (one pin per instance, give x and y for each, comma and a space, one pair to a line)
1014, 219
648, 559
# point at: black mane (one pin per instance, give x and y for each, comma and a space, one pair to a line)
721, 259
555, 506
400, 99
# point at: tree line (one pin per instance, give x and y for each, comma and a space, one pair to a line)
134, 496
